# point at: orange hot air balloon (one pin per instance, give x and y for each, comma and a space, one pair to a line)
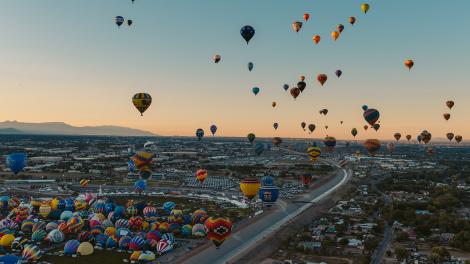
409, 64
372, 146
450, 136
450, 104
352, 20
335, 35
397, 136
218, 230
316, 39
306, 16
408, 137
322, 78
201, 175
458, 138
446, 116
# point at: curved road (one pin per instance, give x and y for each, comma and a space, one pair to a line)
242, 240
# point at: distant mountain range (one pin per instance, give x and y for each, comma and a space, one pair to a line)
60, 128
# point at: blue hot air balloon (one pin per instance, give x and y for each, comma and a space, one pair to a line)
16, 162
259, 148
267, 180
213, 129
250, 66
255, 90
247, 33
140, 186
199, 133
131, 165
268, 194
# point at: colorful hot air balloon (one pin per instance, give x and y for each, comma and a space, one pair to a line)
201, 175
250, 187
16, 162
303, 125
84, 182
338, 73
142, 101
408, 137
311, 128
450, 136
250, 66
31, 253
322, 78
371, 116
306, 16
140, 186
218, 230
268, 194
340, 28
273, 104
142, 159
409, 64
251, 137
118, 20
314, 152
199, 133
446, 116
352, 20
316, 39
354, 132
397, 136
372, 146
255, 90
247, 33
365, 7
213, 129
330, 143
334, 35
295, 91
458, 138
450, 104
275, 125
296, 25
217, 58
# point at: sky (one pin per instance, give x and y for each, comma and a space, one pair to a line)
67, 61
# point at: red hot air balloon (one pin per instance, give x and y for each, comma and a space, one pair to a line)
322, 78
306, 16
218, 230
372, 146
201, 175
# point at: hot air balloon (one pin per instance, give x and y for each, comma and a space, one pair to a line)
303, 125
118, 20
340, 28
199, 133
16, 162
142, 159
297, 25
458, 138
255, 90
408, 137
247, 33
446, 116
372, 146
140, 186
338, 73
285, 87
366, 127
213, 129
365, 7
250, 66
306, 179
397, 136
129, 22
322, 78
354, 132
371, 116
352, 20
250, 187
84, 182
376, 126
217, 58
450, 104
326, 127
218, 230
311, 127
426, 136
273, 104
275, 125
268, 195
316, 39
71, 247
201, 175
142, 101
259, 148
294, 91
163, 246
419, 138
251, 137
277, 141
306, 16
409, 64
335, 35
450, 136
301, 85
324, 111
85, 249
314, 152
31, 253
330, 143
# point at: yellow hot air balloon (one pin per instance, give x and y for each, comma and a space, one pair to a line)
314, 152
365, 7
44, 210
6, 240
85, 249
142, 101
250, 187
335, 35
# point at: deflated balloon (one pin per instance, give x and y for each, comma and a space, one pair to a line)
247, 33
142, 101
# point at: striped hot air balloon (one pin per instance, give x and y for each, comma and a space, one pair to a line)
250, 187
372, 146
314, 152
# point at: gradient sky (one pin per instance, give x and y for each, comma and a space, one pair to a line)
68, 61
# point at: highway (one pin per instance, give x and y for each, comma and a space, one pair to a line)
246, 237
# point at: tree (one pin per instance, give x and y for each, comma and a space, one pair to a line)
401, 253
442, 253
402, 236
343, 242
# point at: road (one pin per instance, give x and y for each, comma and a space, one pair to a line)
245, 238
